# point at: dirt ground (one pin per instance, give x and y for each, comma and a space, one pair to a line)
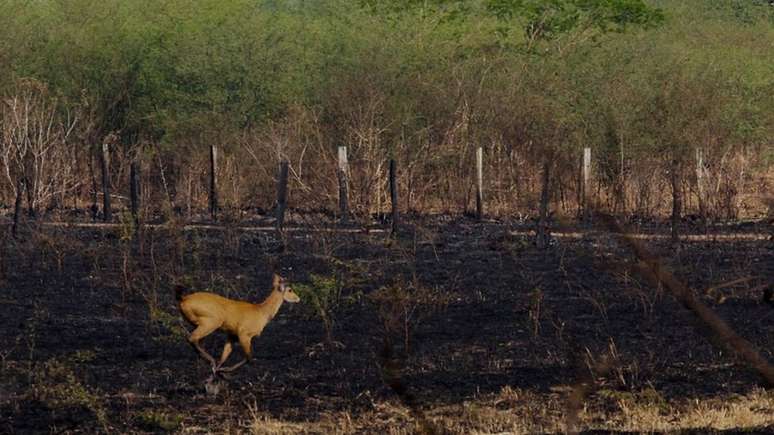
453, 327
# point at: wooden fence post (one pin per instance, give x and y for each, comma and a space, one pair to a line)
282, 194
214, 182
479, 183
134, 191
586, 188
94, 208
343, 175
701, 174
394, 196
107, 214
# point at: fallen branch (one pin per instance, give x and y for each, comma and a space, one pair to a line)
657, 274
715, 288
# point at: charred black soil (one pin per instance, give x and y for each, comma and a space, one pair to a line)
91, 339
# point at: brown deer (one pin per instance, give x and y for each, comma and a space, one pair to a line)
240, 320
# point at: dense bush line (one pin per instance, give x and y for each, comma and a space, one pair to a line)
649, 86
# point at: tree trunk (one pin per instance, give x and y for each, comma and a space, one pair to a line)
17, 207
134, 192
282, 194
545, 195
107, 214
28, 177
30, 189
94, 207
394, 196
677, 201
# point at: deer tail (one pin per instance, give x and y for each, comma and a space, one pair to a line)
179, 292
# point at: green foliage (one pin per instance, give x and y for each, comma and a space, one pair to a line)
446, 10
154, 67
744, 12
55, 383
414, 78
549, 19
323, 296
153, 420
536, 310
404, 305
169, 322
127, 229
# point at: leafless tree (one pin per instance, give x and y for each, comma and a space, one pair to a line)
36, 157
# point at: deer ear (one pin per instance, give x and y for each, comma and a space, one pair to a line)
276, 281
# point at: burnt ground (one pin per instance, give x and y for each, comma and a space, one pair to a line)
91, 340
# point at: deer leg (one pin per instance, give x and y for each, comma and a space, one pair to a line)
245, 343
199, 333
226, 352
234, 367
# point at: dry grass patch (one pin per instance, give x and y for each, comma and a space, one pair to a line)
647, 411
386, 418
516, 411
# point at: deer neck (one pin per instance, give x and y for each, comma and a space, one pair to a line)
273, 303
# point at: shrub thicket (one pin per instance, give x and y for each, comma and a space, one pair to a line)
647, 85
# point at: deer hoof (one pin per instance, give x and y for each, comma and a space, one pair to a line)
212, 387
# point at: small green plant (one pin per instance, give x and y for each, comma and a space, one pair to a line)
53, 247
127, 232
167, 321
82, 356
126, 226
55, 383
323, 295
535, 309
40, 315
402, 307
153, 420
